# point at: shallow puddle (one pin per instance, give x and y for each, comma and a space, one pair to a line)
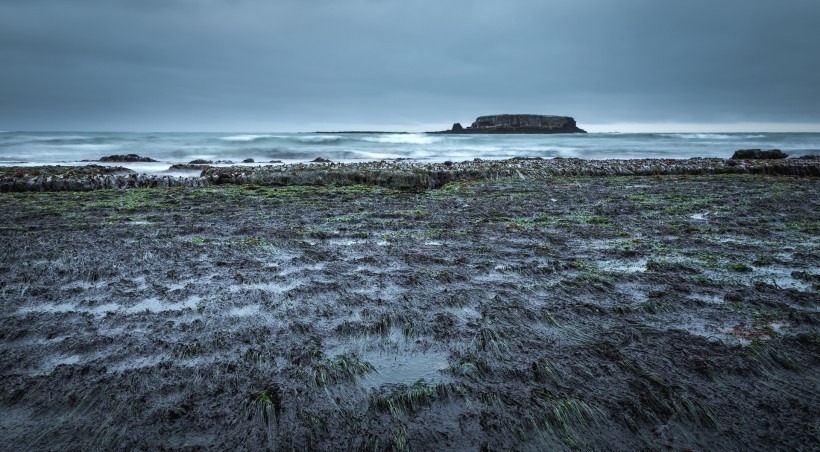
712, 331
50, 364
302, 269
136, 363
464, 314
624, 266
780, 277
61, 308
397, 358
707, 298
270, 287
343, 242
404, 368
48, 308
155, 305
104, 308
244, 311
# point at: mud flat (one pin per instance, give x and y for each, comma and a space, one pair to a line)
672, 312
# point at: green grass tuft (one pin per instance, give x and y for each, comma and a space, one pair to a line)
739, 267
490, 339
405, 400
335, 370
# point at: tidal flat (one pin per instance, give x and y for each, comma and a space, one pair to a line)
571, 313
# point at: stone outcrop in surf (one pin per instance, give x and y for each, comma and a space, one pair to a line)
519, 124
744, 154
398, 175
126, 158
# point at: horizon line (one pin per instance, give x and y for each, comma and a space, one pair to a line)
593, 128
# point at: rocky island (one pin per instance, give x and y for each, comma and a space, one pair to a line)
518, 124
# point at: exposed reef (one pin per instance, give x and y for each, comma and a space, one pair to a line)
126, 158
518, 124
404, 175
188, 167
758, 154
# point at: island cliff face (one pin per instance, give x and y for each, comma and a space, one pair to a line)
519, 124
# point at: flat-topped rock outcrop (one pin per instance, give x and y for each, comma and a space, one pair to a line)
519, 124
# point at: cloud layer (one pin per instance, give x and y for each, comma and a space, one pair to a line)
293, 65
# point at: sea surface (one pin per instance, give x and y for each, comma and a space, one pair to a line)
71, 148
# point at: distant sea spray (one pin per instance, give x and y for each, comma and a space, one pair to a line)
30, 148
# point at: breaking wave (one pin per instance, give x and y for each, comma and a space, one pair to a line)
318, 139
403, 139
709, 136
62, 147
247, 138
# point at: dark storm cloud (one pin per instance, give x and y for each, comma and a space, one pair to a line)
243, 64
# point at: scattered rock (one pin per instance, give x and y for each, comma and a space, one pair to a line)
83, 181
743, 154
188, 166
91, 170
126, 158
806, 276
275, 161
321, 160
23, 172
670, 267
201, 162
248, 161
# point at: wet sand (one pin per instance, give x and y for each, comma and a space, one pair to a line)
566, 313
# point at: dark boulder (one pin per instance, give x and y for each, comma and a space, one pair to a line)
90, 170
126, 158
744, 154
248, 161
188, 166
321, 160
457, 127
200, 162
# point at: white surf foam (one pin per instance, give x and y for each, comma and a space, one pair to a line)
403, 139
245, 138
318, 139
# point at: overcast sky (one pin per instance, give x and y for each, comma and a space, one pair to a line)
294, 65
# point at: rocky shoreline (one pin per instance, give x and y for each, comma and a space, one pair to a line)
392, 174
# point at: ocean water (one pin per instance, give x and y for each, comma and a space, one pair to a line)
70, 148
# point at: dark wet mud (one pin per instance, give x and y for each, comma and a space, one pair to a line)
573, 313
